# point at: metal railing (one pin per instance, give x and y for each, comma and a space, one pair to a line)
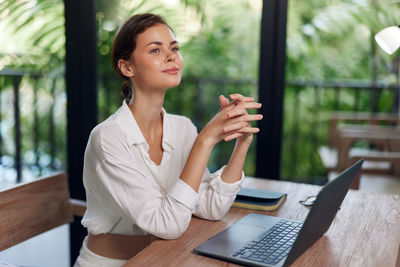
31, 133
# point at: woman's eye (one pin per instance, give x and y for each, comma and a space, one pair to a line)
175, 49
154, 51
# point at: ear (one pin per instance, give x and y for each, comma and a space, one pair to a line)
126, 68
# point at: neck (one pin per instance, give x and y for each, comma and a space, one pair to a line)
147, 110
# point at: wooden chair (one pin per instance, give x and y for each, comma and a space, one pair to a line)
345, 124
32, 208
378, 130
374, 119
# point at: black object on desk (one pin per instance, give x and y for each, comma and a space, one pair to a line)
257, 199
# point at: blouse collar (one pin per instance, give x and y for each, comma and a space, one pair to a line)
134, 135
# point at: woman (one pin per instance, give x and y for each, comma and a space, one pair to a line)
145, 171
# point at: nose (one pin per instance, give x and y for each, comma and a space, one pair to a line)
170, 57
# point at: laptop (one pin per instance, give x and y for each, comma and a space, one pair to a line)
261, 240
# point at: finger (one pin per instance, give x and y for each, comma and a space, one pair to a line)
223, 101
233, 136
240, 98
225, 104
242, 127
236, 111
241, 122
255, 117
248, 105
236, 126
249, 130
241, 109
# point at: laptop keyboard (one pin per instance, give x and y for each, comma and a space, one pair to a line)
273, 245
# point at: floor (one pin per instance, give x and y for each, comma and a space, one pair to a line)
52, 248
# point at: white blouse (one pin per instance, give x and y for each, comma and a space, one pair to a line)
127, 193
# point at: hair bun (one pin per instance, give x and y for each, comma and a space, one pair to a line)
126, 91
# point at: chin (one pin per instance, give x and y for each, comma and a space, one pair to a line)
163, 83
174, 83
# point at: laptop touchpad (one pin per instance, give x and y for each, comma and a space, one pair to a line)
232, 239
242, 233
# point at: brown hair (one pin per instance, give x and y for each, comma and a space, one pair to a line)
125, 43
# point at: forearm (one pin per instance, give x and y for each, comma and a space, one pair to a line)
234, 168
196, 162
232, 121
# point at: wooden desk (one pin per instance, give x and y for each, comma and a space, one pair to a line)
365, 232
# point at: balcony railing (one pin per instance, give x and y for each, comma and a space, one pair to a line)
33, 123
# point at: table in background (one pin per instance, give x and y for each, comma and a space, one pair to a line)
365, 231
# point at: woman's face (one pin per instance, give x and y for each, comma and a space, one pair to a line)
156, 61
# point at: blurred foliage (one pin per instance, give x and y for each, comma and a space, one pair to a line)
326, 40
32, 34
331, 41
214, 43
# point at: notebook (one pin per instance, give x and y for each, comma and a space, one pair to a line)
261, 240
258, 199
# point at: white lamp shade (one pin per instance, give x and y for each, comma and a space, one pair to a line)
389, 39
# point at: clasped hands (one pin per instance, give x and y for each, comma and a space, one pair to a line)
233, 121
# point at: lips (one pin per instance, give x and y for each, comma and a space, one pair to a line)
173, 70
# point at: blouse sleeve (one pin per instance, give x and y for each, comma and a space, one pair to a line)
122, 182
215, 196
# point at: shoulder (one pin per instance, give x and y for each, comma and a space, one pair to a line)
107, 137
105, 128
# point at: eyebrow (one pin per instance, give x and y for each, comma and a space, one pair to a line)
160, 43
